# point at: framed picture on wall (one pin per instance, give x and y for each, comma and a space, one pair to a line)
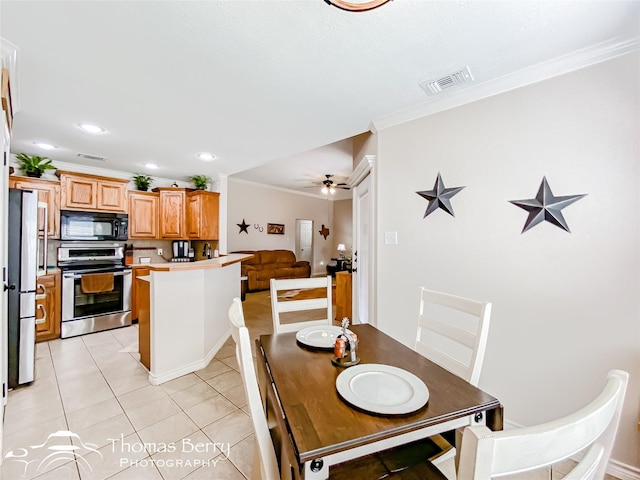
275, 228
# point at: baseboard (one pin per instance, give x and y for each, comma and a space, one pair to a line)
190, 367
623, 471
615, 468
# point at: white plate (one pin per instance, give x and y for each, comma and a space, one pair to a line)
320, 336
382, 389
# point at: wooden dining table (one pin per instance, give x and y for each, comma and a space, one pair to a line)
313, 427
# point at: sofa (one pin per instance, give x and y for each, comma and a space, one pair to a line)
268, 264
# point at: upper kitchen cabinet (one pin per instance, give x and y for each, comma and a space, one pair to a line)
81, 191
143, 214
187, 214
49, 193
172, 212
202, 215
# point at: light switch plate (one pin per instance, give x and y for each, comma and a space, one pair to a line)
390, 238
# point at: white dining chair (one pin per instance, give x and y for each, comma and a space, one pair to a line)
288, 303
486, 454
265, 464
452, 332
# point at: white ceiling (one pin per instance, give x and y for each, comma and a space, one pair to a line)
266, 85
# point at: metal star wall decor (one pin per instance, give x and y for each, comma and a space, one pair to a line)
324, 232
439, 197
243, 227
546, 207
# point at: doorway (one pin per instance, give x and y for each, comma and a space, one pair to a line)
363, 282
304, 241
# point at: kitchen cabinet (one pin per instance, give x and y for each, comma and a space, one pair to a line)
187, 214
48, 311
143, 214
172, 212
343, 296
49, 193
202, 215
79, 191
137, 271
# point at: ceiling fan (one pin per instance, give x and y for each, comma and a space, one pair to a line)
329, 186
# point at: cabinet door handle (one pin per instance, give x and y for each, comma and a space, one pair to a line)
44, 315
41, 290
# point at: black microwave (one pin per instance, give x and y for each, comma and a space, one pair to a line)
75, 225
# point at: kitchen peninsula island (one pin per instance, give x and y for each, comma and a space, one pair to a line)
183, 319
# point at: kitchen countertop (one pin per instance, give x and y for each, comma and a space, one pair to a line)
218, 262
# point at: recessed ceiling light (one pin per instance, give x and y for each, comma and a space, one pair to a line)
206, 156
91, 128
45, 146
151, 166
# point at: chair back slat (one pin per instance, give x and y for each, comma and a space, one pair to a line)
450, 331
288, 305
485, 453
299, 305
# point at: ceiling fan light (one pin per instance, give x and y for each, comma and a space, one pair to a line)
332, 190
325, 190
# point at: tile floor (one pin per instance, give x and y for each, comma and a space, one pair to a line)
193, 427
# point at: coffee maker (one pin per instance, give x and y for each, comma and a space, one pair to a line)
180, 251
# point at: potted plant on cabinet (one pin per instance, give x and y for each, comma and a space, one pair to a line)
33, 165
143, 182
200, 181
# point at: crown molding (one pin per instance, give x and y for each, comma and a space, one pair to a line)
555, 67
362, 170
9, 56
286, 190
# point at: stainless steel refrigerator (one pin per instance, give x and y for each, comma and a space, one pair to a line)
22, 272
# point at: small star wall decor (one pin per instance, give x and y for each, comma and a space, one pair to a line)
546, 207
324, 232
243, 227
439, 197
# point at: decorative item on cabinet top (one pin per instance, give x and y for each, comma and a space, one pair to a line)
200, 182
143, 182
34, 165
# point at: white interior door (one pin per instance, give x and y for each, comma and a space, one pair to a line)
304, 241
362, 214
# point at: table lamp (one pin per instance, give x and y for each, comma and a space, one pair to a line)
341, 248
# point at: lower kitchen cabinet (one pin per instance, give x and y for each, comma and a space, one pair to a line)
48, 311
137, 272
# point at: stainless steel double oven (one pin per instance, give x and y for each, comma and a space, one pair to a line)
96, 288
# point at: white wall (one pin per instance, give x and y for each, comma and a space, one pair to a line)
259, 205
565, 305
